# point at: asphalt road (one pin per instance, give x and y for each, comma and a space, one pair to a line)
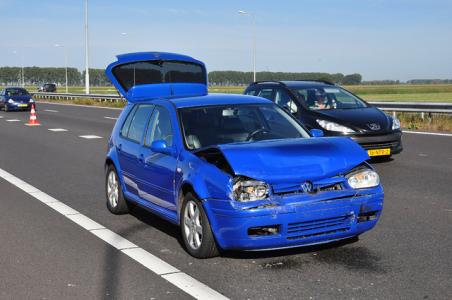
44, 255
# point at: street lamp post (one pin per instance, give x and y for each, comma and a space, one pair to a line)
22, 76
65, 62
86, 50
244, 13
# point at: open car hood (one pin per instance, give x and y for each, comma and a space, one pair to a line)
294, 160
152, 75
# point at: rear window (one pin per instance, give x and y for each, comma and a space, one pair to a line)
154, 72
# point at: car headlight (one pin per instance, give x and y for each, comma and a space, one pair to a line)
363, 178
10, 101
395, 123
249, 190
331, 126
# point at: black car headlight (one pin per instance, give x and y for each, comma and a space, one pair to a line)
363, 178
245, 189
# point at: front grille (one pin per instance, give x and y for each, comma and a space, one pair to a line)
302, 230
370, 146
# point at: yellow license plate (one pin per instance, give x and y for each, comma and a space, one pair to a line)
379, 152
22, 105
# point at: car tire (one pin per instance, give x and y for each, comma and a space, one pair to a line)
116, 203
195, 229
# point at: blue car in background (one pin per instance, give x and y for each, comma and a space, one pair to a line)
235, 172
15, 98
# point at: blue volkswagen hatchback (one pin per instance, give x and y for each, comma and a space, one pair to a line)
233, 171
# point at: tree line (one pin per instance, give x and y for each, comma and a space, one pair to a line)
244, 78
39, 75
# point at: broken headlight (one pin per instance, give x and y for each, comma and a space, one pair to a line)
363, 178
245, 189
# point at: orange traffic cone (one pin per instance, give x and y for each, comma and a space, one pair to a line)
33, 120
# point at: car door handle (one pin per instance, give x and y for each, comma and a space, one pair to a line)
141, 158
119, 147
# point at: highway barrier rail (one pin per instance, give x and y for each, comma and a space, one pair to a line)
416, 107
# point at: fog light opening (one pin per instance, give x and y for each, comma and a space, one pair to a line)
263, 230
367, 216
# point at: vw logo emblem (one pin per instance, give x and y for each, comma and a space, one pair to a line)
374, 126
307, 187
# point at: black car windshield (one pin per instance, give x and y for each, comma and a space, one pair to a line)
316, 98
16, 92
213, 125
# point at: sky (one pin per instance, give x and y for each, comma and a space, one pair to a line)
380, 39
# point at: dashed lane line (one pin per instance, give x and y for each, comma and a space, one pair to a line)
57, 129
51, 110
13, 120
158, 266
110, 118
90, 137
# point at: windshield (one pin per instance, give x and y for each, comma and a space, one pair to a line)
16, 92
317, 98
213, 125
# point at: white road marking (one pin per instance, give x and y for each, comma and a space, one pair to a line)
111, 118
150, 261
179, 279
90, 137
187, 283
1, 117
51, 110
113, 239
427, 133
57, 129
12, 120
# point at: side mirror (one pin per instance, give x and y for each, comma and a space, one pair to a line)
160, 146
316, 132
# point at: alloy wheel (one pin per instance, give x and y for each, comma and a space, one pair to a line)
192, 225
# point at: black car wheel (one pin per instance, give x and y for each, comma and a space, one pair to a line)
116, 203
195, 228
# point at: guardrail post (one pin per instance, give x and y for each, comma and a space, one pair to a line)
422, 116
394, 114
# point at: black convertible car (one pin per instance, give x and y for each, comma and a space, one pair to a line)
338, 112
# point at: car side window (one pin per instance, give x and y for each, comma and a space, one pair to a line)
159, 128
266, 93
283, 99
138, 122
251, 92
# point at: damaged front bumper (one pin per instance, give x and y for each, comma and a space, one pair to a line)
294, 220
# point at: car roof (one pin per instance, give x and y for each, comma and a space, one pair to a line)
15, 87
217, 99
296, 83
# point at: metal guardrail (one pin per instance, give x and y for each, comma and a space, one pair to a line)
417, 107
71, 96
